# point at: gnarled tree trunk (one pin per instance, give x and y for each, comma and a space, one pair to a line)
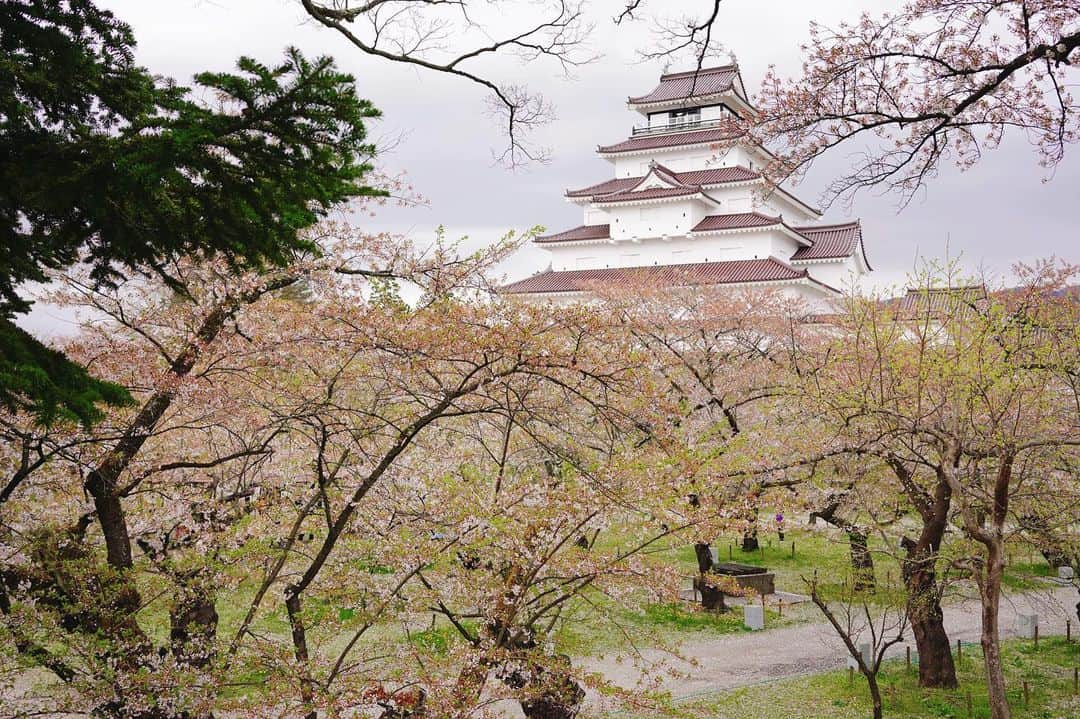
555, 692
919, 570
936, 667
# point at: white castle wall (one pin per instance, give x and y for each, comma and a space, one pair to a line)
812, 297
839, 274
674, 251
655, 220
683, 159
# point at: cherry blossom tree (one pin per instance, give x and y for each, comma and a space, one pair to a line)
969, 396
721, 360
312, 473
936, 82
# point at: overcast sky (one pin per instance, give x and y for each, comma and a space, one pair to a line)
1000, 212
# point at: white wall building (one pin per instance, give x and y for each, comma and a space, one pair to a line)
686, 207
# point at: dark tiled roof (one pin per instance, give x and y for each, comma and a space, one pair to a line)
676, 139
695, 83
718, 175
673, 187
605, 188
938, 300
652, 193
737, 221
701, 273
714, 176
830, 241
584, 232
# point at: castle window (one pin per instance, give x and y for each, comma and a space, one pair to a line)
683, 117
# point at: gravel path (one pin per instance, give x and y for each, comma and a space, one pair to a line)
741, 659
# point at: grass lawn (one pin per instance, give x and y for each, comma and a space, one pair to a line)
823, 549
1048, 671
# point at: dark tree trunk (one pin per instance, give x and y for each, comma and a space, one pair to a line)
558, 695
990, 589
875, 693
1041, 532
300, 651
919, 570
936, 668
1055, 557
862, 562
193, 626
712, 599
704, 557
750, 534
416, 708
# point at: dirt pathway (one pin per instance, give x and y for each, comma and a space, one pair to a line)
741, 659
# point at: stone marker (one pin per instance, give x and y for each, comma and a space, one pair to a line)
867, 657
1026, 625
754, 616
1065, 573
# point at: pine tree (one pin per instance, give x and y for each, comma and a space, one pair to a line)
103, 163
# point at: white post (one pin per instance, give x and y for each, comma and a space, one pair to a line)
1026, 624
754, 616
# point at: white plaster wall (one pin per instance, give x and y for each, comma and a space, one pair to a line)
813, 298
793, 213
674, 218
767, 207
675, 251
683, 159
595, 216
780, 244
839, 274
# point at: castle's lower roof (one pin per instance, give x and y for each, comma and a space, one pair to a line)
700, 273
831, 242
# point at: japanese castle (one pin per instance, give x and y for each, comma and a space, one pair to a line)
688, 208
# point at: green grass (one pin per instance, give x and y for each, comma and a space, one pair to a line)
1048, 671
1023, 576
685, 617
823, 549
